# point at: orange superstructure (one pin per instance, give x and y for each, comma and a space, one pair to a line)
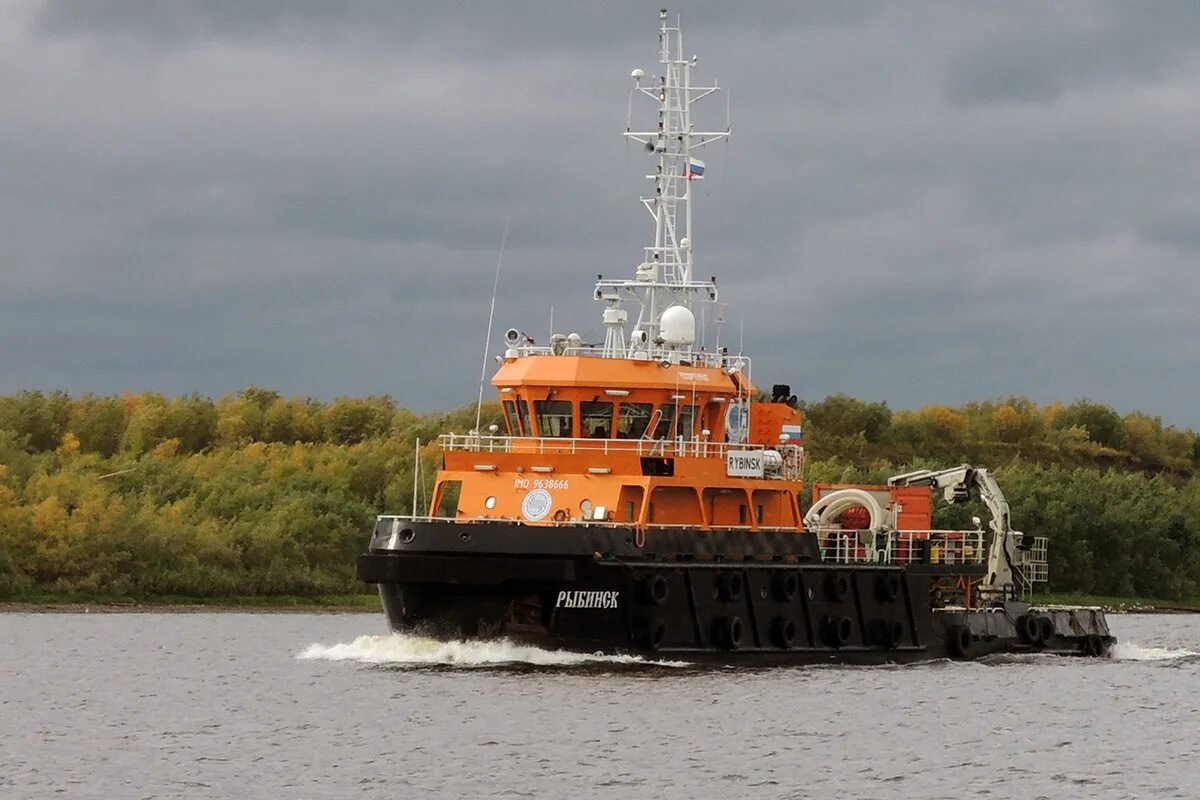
624, 440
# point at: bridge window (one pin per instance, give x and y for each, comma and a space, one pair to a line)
523, 416
510, 418
632, 419
687, 422
665, 421
596, 420
554, 418
669, 428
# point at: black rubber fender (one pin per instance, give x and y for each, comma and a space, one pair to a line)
1046, 631
783, 632
653, 590
728, 631
1028, 629
887, 633
650, 632
887, 587
837, 586
958, 640
729, 585
836, 630
785, 585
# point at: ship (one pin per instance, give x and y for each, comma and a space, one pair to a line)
644, 496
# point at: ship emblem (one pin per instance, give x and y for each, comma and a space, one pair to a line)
536, 505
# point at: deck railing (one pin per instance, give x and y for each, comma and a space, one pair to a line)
902, 547
686, 358
789, 467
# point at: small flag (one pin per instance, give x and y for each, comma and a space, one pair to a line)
694, 170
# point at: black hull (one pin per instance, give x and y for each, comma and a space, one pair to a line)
568, 589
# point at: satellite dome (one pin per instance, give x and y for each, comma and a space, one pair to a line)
677, 326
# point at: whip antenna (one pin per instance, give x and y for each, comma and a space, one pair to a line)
487, 341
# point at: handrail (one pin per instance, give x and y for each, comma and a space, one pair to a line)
947, 547
689, 358
789, 466
498, 443
584, 523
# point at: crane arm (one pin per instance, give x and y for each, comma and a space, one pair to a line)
956, 484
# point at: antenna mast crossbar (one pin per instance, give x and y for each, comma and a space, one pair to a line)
665, 276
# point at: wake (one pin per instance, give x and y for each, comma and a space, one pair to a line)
1129, 651
401, 649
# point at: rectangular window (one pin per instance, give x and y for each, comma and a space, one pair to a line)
553, 418
687, 423
670, 428
596, 420
632, 419
666, 421
523, 416
510, 418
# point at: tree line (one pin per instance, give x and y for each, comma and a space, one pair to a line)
142, 495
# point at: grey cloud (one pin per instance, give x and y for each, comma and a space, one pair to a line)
921, 203
1034, 52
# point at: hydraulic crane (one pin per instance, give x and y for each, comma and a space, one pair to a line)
1010, 552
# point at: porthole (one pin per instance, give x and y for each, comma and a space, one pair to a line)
490, 502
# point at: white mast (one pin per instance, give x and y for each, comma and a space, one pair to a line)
664, 279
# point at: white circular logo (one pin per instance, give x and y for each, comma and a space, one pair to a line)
536, 505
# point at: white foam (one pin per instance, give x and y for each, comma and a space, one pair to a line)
416, 650
1128, 651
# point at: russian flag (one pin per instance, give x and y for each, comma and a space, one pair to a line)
694, 170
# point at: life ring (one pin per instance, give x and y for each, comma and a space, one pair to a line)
836, 631
837, 586
728, 632
1046, 630
653, 590
729, 586
651, 632
887, 587
1028, 629
786, 584
958, 640
783, 631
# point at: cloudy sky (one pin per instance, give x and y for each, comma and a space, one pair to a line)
921, 203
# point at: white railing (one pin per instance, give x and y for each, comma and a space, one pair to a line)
399, 519
902, 547
790, 467
692, 358
1032, 564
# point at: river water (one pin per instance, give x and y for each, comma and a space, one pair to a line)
323, 706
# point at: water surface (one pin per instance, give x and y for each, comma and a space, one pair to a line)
298, 706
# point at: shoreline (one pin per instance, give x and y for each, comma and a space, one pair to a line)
279, 604
177, 608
